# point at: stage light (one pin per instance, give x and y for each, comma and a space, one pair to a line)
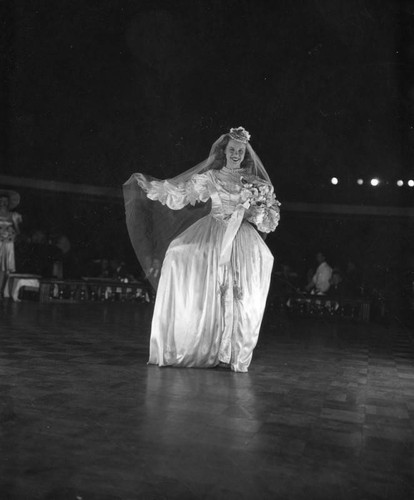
334, 180
400, 183
375, 182
360, 182
410, 183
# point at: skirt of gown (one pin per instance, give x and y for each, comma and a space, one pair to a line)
206, 313
7, 261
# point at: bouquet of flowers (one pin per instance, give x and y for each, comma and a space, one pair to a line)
263, 207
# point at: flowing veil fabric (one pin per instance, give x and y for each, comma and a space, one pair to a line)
152, 226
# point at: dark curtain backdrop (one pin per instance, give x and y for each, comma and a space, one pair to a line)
98, 89
92, 91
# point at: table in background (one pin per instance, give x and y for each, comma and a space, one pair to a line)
93, 289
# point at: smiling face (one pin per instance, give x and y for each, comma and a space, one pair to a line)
234, 152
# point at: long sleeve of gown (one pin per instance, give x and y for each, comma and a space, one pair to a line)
176, 196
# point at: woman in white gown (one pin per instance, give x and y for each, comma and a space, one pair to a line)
9, 229
216, 273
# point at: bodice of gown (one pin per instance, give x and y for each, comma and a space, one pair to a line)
7, 232
4, 223
225, 192
7, 226
225, 189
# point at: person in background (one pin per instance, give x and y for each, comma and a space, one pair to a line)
337, 288
321, 280
9, 229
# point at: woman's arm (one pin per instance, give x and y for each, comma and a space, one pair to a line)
176, 196
17, 220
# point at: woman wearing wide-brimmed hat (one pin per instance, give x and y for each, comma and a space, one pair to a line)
9, 228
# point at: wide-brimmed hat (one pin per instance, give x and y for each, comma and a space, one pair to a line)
14, 198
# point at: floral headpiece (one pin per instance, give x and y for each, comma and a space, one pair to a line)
239, 134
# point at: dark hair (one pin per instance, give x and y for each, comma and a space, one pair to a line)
220, 157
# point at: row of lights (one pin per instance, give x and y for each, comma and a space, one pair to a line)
376, 182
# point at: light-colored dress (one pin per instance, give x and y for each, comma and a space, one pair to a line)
7, 237
214, 279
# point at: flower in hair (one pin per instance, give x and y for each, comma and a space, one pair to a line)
239, 134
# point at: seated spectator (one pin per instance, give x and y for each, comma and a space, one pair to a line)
320, 282
111, 269
337, 287
120, 270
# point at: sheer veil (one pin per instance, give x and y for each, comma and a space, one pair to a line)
152, 226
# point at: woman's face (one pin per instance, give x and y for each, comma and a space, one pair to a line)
4, 202
234, 152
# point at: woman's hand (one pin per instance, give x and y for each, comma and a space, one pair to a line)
17, 219
255, 214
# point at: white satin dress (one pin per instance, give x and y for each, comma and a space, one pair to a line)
214, 284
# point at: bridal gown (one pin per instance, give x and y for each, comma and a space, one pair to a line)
7, 237
214, 279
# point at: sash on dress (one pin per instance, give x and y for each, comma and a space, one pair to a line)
233, 226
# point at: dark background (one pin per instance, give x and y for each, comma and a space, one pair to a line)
99, 89
93, 91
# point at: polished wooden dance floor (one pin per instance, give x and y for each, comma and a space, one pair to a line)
325, 412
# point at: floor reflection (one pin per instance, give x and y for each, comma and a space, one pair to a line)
325, 411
